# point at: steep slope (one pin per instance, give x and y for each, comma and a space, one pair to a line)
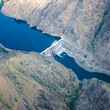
33, 82
29, 81
83, 26
94, 95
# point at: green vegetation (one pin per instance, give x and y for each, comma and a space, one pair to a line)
72, 99
2, 101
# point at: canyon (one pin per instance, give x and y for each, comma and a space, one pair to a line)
83, 26
37, 81
29, 81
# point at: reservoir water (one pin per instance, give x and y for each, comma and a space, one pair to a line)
18, 35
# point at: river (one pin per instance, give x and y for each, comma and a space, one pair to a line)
19, 36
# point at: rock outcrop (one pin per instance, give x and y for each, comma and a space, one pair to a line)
29, 81
94, 95
83, 25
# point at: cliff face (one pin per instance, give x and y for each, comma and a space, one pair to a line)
29, 81
83, 25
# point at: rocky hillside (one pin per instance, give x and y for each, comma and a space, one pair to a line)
29, 81
94, 95
32, 82
83, 25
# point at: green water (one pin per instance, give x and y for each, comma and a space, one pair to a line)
1, 3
